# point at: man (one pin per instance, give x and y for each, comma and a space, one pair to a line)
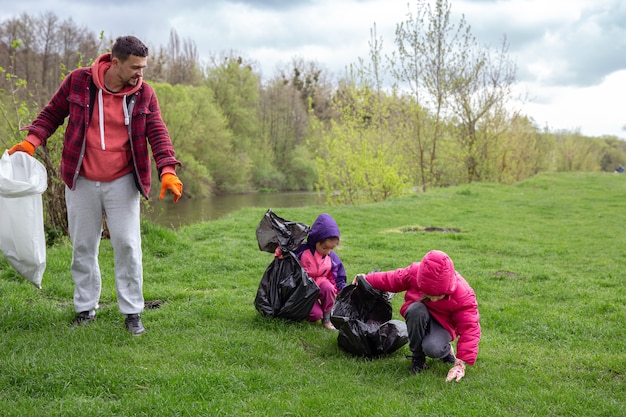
105, 164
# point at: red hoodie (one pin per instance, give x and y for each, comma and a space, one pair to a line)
107, 148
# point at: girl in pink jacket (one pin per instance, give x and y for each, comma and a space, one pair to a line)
439, 307
323, 265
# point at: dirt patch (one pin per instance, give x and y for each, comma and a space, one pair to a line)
507, 274
153, 304
426, 229
441, 229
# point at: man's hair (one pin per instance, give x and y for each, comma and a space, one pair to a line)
128, 45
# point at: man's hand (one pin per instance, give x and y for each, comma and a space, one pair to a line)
24, 146
457, 371
172, 183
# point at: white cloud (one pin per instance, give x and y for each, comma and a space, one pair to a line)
593, 110
571, 54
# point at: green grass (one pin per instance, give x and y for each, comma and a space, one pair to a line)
546, 257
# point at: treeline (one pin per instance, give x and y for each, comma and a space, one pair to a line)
437, 110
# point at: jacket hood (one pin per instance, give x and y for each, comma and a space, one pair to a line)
323, 227
436, 274
100, 66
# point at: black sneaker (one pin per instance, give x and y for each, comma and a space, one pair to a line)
83, 318
450, 358
133, 324
418, 363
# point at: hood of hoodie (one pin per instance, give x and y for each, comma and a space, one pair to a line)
436, 274
323, 227
100, 66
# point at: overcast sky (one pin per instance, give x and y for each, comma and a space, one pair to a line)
570, 54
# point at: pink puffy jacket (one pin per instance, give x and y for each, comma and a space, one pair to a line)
435, 275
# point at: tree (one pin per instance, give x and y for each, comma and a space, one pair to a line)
48, 49
573, 152
451, 79
481, 85
235, 90
423, 63
284, 122
299, 92
178, 64
15, 111
613, 153
355, 154
312, 83
519, 151
202, 139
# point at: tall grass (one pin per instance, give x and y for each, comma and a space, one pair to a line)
545, 256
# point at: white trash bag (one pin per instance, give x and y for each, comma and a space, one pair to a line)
22, 240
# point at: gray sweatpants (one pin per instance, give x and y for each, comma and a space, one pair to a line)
119, 201
426, 335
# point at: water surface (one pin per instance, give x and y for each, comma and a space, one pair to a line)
190, 211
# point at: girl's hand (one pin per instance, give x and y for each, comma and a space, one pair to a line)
457, 371
355, 281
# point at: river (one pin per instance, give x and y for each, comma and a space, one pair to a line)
195, 210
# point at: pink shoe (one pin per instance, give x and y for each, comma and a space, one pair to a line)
326, 323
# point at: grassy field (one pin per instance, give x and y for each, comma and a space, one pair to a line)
546, 257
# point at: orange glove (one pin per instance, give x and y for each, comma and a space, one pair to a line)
457, 371
172, 183
24, 146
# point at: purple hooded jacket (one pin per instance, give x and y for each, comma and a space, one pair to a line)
324, 227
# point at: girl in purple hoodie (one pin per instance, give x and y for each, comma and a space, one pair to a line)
324, 266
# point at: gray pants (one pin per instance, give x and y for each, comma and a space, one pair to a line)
119, 201
426, 335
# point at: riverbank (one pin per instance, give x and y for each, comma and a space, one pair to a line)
545, 257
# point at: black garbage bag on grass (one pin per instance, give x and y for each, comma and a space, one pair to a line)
362, 314
285, 290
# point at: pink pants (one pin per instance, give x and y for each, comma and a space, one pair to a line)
325, 301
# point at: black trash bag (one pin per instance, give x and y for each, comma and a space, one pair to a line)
286, 291
362, 314
274, 231
372, 339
